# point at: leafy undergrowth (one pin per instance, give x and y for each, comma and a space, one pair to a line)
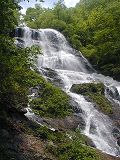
70, 145
22, 139
73, 150
52, 102
96, 94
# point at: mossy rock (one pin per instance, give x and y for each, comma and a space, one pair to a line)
95, 93
87, 88
102, 103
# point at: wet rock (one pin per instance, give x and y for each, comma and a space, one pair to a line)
89, 142
113, 92
75, 106
82, 123
94, 92
118, 141
92, 128
23, 111
20, 40
34, 91
20, 45
35, 35
52, 76
116, 132
117, 122
19, 32
83, 60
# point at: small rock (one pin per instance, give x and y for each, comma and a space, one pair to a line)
116, 132
89, 142
118, 141
23, 111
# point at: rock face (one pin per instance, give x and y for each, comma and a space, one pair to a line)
52, 76
35, 35
68, 123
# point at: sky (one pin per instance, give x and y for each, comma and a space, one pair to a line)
47, 3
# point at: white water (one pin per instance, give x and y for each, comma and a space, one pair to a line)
59, 56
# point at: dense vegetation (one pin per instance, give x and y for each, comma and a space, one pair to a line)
92, 27
51, 102
15, 74
65, 148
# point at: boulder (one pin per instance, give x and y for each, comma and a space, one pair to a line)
52, 77
19, 32
35, 35
88, 88
75, 106
23, 111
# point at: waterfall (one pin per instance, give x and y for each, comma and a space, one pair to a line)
73, 68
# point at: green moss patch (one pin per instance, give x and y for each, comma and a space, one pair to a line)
102, 102
95, 92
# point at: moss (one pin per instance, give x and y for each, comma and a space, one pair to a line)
52, 102
87, 88
102, 102
96, 93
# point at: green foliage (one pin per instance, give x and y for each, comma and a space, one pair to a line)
96, 93
46, 134
15, 73
7, 18
52, 102
102, 102
15, 63
63, 147
66, 145
73, 149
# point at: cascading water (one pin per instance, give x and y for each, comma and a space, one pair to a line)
73, 68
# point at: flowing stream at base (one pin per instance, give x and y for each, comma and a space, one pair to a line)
73, 68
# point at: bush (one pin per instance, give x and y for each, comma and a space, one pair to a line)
52, 102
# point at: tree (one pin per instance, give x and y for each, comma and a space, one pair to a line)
15, 74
